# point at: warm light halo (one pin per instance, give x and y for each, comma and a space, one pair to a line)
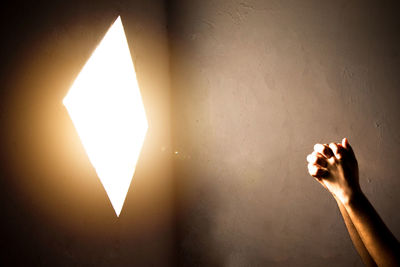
106, 108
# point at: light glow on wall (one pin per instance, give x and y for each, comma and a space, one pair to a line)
106, 108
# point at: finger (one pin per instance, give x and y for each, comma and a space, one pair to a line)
317, 171
324, 150
335, 149
317, 158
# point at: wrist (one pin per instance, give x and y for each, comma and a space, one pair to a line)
353, 197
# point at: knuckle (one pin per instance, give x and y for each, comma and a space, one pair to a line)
317, 147
333, 146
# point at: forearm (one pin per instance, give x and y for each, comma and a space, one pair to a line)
377, 238
336, 168
355, 237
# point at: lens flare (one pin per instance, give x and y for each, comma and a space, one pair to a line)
106, 108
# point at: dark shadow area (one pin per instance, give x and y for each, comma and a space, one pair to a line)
54, 210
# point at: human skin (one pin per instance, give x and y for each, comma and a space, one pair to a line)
335, 167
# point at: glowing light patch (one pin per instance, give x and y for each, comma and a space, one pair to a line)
106, 108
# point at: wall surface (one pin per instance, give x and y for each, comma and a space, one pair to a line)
54, 210
255, 85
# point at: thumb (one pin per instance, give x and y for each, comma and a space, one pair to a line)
346, 145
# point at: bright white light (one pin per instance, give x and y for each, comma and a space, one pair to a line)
106, 108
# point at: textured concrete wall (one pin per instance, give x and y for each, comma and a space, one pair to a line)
54, 210
255, 85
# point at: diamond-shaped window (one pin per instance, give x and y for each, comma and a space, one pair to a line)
106, 108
